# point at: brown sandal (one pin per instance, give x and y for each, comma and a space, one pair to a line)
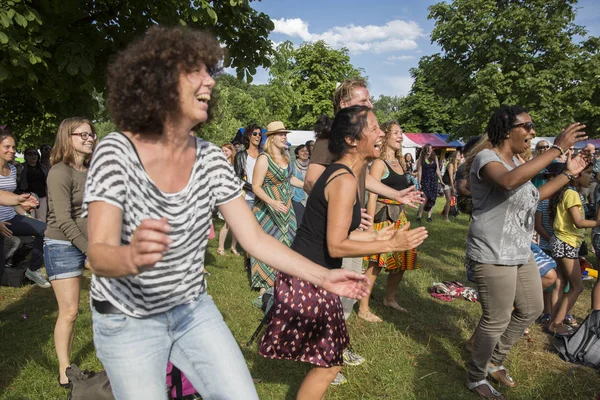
484, 390
500, 375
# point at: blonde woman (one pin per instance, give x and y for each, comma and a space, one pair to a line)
271, 183
66, 244
229, 153
390, 169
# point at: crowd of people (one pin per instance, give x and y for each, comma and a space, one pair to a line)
137, 210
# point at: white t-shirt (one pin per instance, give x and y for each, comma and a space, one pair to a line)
9, 184
250, 163
117, 177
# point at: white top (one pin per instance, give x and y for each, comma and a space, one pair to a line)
8, 183
250, 164
117, 177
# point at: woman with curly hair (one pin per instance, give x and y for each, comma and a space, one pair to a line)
66, 245
150, 194
390, 169
428, 173
229, 153
272, 183
498, 243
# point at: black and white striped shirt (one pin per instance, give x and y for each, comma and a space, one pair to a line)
8, 183
117, 177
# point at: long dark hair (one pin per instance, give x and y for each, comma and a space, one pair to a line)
558, 197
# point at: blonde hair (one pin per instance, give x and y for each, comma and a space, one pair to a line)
387, 128
271, 150
232, 149
63, 150
345, 91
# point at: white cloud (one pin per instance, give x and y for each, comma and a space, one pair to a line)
396, 35
399, 85
400, 58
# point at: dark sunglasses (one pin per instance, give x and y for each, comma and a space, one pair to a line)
84, 135
543, 147
528, 126
255, 134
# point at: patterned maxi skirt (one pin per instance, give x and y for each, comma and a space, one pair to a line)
398, 261
307, 324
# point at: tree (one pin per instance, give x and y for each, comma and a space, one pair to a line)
509, 52
305, 79
54, 54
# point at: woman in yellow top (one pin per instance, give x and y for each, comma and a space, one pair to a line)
389, 169
566, 209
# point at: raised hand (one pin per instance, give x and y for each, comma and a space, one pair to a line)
405, 239
570, 135
411, 197
346, 283
576, 164
148, 244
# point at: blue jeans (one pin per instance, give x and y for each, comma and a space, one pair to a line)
62, 259
192, 336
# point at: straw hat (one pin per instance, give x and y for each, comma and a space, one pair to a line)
275, 127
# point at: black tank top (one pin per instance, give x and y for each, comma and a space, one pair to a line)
394, 179
311, 237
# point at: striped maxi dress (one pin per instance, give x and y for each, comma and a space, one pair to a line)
282, 226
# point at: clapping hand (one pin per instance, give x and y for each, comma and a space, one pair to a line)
411, 197
28, 202
407, 239
346, 283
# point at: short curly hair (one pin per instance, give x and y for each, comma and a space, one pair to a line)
501, 123
143, 79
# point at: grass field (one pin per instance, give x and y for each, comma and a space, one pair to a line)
409, 356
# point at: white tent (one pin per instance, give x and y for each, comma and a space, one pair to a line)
408, 146
296, 138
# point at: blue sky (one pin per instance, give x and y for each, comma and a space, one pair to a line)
385, 38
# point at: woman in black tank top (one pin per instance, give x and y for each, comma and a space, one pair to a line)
307, 322
390, 169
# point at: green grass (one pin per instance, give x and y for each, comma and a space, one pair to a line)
409, 356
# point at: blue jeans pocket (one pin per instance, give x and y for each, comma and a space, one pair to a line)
109, 324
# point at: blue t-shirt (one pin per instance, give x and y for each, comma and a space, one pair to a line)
544, 209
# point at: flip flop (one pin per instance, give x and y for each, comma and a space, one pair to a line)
499, 374
560, 335
484, 390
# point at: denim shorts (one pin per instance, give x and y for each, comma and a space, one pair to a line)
63, 260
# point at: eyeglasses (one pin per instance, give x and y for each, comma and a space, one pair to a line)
528, 126
256, 133
543, 147
85, 135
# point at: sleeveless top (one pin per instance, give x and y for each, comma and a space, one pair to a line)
394, 180
311, 238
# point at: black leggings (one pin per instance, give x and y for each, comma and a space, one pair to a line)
25, 226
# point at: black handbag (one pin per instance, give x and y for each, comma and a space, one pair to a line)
88, 385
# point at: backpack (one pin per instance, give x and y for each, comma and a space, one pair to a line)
17, 250
583, 347
180, 388
88, 385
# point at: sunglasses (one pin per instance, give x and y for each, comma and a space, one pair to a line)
255, 134
84, 135
543, 147
528, 126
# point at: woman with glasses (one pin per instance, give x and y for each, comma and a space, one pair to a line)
66, 245
498, 243
32, 179
14, 219
540, 148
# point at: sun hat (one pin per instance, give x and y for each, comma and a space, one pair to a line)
276, 127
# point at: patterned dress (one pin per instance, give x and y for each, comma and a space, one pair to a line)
280, 225
429, 183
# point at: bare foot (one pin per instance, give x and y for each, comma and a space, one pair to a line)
393, 304
369, 316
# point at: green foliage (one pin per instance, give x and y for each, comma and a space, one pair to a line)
54, 54
506, 52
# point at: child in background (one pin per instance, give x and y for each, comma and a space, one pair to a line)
566, 209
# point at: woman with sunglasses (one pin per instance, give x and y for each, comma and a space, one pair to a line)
32, 179
540, 148
150, 195
498, 243
66, 245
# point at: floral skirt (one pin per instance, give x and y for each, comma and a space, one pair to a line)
307, 324
398, 261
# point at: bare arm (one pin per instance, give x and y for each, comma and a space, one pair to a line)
313, 173
375, 173
580, 223
296, 182
462, 186
539, 228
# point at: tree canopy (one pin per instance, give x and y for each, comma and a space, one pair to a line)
506, 52
54, 54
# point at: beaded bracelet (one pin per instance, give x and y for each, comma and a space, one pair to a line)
568, 175
555, 146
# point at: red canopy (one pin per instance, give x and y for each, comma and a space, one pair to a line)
424, 138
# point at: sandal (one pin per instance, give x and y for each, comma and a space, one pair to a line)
220, 251
484, 390
567, 334
499, 374
369, 317
234, 252
571, 321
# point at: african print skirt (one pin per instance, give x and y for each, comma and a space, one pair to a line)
398, 261
307, 324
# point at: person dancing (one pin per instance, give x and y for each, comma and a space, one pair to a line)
307, 322
428, 173
229, 152
498, 243
271, 184
391, 170
149, 196
66, 245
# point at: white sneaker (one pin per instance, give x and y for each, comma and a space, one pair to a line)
37, 278
339, 380
351, 358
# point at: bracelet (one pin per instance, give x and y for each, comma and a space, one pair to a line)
555, 146
568, 175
